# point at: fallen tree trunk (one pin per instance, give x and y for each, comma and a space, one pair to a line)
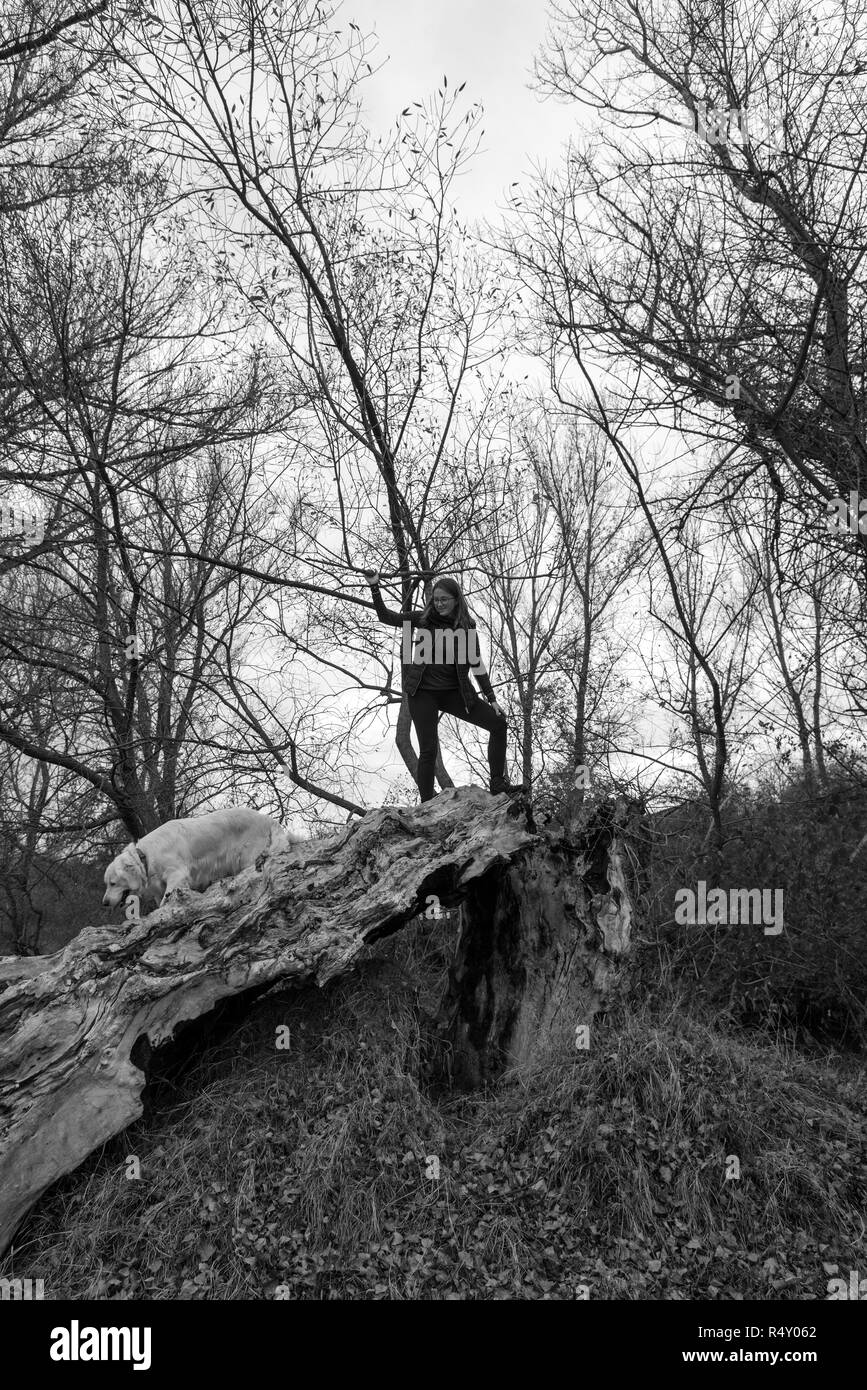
540, 949
69, 1022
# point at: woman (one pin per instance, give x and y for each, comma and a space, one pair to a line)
440, 648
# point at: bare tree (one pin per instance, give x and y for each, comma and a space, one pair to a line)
347, 247
706, 617
602, 552
139, 447
43, 28
795, 615
707, 245
51, 146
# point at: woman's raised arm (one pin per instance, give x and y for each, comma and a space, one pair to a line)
387, 615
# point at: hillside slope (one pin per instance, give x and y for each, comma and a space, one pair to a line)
306, 1171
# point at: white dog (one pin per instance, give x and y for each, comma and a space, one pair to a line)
192, 853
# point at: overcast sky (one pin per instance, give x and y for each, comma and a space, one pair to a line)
490, 45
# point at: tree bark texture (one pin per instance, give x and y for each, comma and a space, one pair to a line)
545, 923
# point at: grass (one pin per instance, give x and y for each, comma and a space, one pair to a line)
303, 1172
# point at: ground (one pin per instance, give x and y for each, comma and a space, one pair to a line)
309, 1170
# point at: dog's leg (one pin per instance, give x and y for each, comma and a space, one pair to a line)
176, 882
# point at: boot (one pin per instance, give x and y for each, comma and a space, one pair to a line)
502, 784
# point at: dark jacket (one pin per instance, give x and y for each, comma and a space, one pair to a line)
412, 672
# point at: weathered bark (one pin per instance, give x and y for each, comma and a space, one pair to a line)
69, 1022
539, 949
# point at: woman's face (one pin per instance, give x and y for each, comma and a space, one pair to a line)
444, 602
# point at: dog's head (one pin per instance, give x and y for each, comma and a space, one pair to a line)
124, 875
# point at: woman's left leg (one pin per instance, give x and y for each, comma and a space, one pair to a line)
484, 717
424, 714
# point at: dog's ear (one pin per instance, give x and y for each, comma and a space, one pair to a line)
116, 866
132, 867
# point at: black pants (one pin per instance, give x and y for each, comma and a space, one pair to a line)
424, 708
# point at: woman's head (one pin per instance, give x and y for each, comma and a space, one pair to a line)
446, 596
447, 603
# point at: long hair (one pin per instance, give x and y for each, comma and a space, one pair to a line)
461, 616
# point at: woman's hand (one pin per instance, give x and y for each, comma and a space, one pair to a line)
372, 577
498, 709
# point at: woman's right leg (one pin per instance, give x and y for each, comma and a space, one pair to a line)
484, 717
424, 712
